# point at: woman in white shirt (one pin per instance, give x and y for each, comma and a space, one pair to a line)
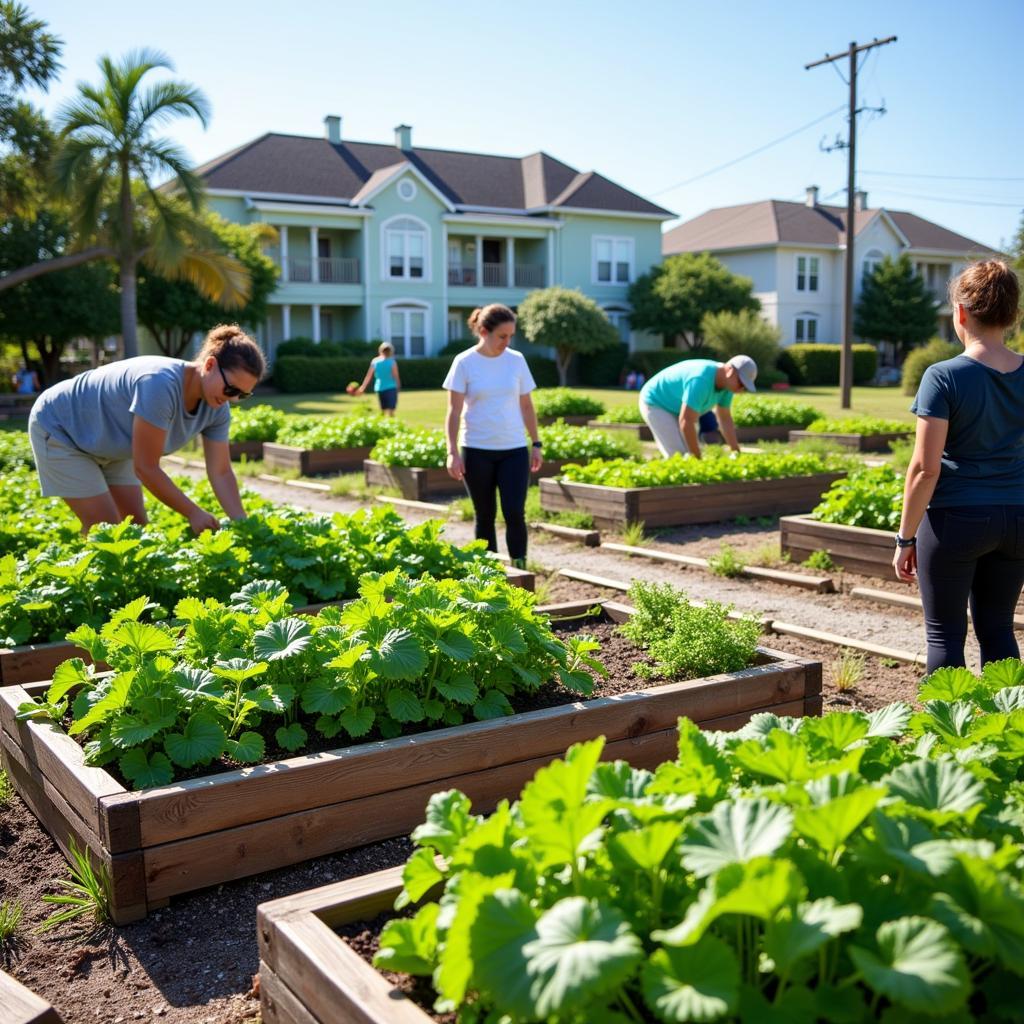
491, 383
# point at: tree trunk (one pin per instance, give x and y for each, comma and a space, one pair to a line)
128, 269
49, 357
562, 361
73, 259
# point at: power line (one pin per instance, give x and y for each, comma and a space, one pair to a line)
940, 177
950, 199
753, 152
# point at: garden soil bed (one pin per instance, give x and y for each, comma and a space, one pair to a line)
858, 442
310, 461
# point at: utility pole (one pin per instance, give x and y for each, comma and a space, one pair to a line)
846, 356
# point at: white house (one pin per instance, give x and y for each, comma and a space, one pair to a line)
794, 253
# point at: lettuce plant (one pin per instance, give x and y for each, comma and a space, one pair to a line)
340, 432
565, 402
765, 410
861, 425
584, 443
426, 449
256, 423
870, 497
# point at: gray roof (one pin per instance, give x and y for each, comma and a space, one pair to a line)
774, 222
300, 165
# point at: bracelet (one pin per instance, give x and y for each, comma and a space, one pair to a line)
906, 542
538, 444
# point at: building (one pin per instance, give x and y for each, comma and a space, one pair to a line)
401, 242
795, 255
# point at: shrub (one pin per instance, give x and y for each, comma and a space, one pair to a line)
453, 348
326, 349
743, 333
765, 411
603, 369
936, 351
867, 425
655, 360
256, 423
819, 364
339, 432
424, 448
565, 402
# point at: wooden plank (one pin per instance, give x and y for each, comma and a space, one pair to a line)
426, 506
908, 601
309, 485
858, 442
520, 577
278, 1004
568, 609
588, 538
19, 1005
789, 629
32, 662
597, 581
251, 450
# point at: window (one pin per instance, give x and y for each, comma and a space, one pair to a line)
457, 330
619, 319
326, 326
613, 260
871, 260
407, 329
405, 250
323, 248
407, 190
806, 328
807, 270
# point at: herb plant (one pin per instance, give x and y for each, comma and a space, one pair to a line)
860, 425
565, 402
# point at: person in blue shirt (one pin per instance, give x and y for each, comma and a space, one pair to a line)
383, 372
673, 401
26, 381
962, 527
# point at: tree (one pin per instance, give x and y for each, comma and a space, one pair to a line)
567, 321
174, 310
52, 310
28, 56
674, 297
744, 333
895, 305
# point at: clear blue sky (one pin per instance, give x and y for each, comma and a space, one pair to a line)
648, 92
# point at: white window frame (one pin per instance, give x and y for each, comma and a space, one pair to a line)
628, 243
406, 190
456, 327
808, 269
871, 260
386, 233
406, 306
805, 322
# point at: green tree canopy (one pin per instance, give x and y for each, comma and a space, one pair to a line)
675, 296
895, 305
173, 310
567, 321
51, 310
743, 333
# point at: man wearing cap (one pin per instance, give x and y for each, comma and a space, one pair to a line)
673, 401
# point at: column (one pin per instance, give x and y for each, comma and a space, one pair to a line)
550, 269
283, 234
314, 258
286, 322
316, 324
479, 261
510, 251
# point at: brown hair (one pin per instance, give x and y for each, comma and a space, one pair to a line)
990, 292
490, 317
234, 350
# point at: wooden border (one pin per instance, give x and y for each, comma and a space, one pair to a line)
856, 548
858, 442
583, 420
19, 1005
199, 832
640, 431
413, 482
310, 461
750, 435
615, 507
252, 450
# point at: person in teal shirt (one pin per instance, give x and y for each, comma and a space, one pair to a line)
674, 399
386, 382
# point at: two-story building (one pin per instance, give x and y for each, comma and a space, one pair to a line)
795, 255
401, 242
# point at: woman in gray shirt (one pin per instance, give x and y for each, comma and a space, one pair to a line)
100, 435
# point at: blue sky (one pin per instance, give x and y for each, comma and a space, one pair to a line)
650, 93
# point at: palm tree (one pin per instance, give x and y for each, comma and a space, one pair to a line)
106, 160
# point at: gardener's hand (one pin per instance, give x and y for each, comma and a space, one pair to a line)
536, 460
201, 520
905, 564
456, 470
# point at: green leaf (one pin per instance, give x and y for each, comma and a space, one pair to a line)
419, 876
916, 965
693, 983
645, 849
66, 676
400, 656
282, 639
1010, 699
239, 670
448, 820
460, 689
836, 731
145, 772
142, 638
831, 824
505, 636
890, 721
409, 945
1007, 673
581, 950
249, 748
357, 721
199, 743
734, 832
793, 935
129, 730
493, 704
324, 695
457, 646
404, 706
349, 657
948, 684
784, 757
937, 786
292, 737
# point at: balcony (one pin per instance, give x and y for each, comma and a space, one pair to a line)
330, 269
495, 275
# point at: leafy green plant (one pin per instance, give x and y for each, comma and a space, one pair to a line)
584, 443
820, 560
340, 432
846, 670
766, 410
6, 788
867, 425
565, 402
256, 423
622, 414
717, 466
766, 554
726, 562
848, 868
870, 497
635, 534
11, 914
425, 448
88, 891
919, 359
15, 451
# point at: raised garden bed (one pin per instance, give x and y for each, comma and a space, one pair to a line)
160, 842
19, 1005
570, 421
750, 435
615, 507
310, 461
640, 431
417, 483
858, 442
856, 548
245, 449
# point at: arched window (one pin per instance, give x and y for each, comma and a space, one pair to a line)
405, 250
871, 260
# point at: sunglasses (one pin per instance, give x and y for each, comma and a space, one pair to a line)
231, 390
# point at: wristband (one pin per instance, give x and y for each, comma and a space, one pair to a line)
538, 444
906, 542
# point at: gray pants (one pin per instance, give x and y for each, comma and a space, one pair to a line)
665, 428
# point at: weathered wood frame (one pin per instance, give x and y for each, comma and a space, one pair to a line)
204, 831
310, 461
582, 420
20, 1005
858, 442
252, 450
615, 507
640, 431
856, 548
417, 483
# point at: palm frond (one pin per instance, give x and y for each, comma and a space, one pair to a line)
216, 274
167, 100
75, 159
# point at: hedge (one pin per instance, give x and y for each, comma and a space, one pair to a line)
819, 364
602, 369
295, 374
654, 360
326, 349
921, 358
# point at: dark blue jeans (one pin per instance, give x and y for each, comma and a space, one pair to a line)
501, 474
972, 555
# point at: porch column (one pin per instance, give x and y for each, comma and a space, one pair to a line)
479, 261
283, 234
549, 276
316, 324
314, 259
510, 250
286, 322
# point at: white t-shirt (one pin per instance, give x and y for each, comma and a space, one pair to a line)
492, 385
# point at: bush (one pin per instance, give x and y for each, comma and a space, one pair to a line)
622, 414
744, 333
565, 402
656, 359
453, 348
603, 369
819, 364
326, 349
921, 358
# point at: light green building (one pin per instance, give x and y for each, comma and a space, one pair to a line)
401, 243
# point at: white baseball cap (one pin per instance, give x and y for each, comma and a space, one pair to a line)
746, 368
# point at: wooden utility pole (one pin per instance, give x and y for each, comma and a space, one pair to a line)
846, 355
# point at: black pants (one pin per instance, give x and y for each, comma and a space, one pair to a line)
971, 554
506, 472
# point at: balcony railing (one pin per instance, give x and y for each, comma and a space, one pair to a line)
330, 269
495, 275
465, 276
529, 275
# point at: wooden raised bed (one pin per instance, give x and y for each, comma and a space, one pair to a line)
858, 442
208, 830
570, 421
416, 483
249, 449
750, 435
615, 507
640, 431
309, 461
856, 548
19, 1005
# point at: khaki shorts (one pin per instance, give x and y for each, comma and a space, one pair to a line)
66, 472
